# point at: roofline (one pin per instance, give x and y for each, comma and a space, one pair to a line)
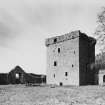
68, 36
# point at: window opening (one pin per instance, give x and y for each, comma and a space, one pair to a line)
58, 50
104, 78
72, 65
66, 73
55, 40
61, 84
55, 63
54, 75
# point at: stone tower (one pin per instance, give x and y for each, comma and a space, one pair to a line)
69, 58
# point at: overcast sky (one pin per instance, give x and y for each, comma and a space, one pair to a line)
25, 24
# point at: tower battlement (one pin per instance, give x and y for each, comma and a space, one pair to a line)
68, 36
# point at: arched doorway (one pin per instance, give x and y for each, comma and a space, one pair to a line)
17, 76
104, 78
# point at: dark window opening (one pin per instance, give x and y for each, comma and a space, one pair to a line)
55, 40
72, 37
55, 63
74, 52
66, 73
58, 50
61, 84
72, 65
54, 75
104, 78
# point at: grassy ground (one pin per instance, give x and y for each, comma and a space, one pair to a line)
31, 95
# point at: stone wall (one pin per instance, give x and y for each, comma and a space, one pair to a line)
86, 58
3, 78
66, 70
101, 75
68, 59
62, 38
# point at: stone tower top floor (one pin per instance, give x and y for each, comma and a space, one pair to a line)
69, 36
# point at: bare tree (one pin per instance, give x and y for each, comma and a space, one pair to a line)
100, 30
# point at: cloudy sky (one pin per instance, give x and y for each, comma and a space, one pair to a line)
25, 24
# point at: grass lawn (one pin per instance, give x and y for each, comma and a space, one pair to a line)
36, 95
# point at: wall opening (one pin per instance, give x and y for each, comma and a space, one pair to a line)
54, 75
55, 40
72, 65
55, 63
72, 36
61, 84
66, 73
104, 78
58, 50
17, 76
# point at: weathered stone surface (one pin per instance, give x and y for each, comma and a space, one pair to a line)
68, 59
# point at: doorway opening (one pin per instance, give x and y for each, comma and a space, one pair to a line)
17, 76
61, 84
